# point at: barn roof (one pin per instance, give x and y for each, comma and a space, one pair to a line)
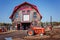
17, 7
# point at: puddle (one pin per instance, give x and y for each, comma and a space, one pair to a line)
9, 38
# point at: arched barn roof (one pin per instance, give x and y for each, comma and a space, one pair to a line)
17, 7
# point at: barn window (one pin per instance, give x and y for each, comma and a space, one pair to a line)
16, 15
34, 15
23, 11
12, 19
35, 23
28, 10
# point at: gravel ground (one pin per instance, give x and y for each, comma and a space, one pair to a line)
14, 35
21, 35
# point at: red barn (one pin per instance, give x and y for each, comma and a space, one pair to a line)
25, 15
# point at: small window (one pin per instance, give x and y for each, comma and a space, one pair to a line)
28, 10
34, 15
35, 23
12, 19
16, 15
23, 11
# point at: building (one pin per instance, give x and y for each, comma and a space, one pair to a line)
25, 15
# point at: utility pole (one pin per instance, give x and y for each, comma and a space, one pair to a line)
51, 21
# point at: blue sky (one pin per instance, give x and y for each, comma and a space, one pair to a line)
46, 8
